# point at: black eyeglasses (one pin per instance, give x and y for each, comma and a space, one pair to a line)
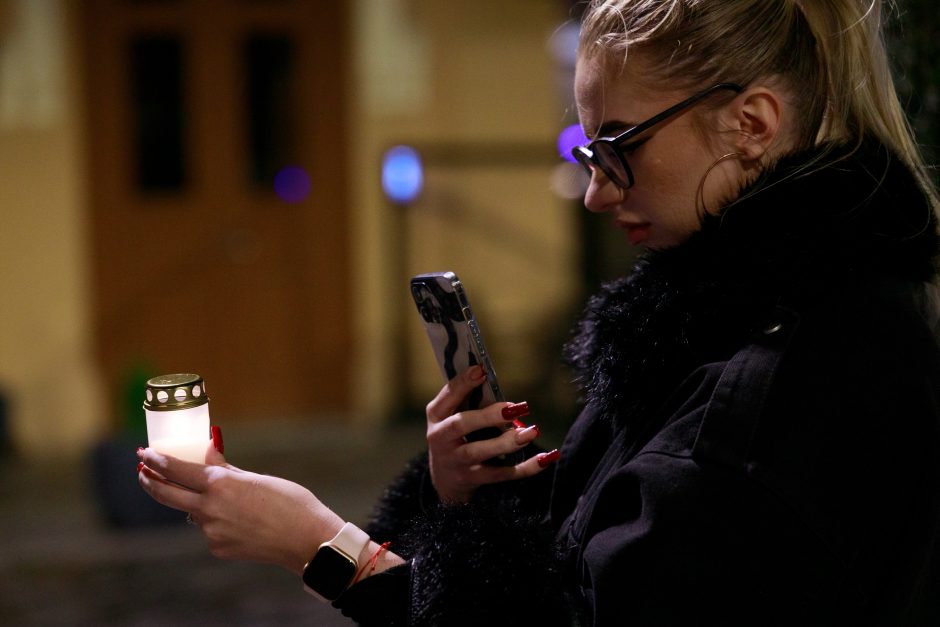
607, 154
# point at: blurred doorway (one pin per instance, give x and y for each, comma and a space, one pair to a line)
218, 209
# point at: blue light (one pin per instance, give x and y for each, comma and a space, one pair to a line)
568, 138
402, 174
292, 184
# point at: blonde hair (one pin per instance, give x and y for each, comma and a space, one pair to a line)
829, 54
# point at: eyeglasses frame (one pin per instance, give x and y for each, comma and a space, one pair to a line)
585, 154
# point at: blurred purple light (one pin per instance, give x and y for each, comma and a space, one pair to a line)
292, 184
568, 138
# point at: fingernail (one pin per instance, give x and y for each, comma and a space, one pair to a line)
518, 424
478, 373
516, 410
527, 434
217, 439
139, 449
140, 466
549, 458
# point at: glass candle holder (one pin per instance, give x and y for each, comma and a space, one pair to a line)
177, 409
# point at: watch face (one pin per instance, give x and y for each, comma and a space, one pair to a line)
329, 573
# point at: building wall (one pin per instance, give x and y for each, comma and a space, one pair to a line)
462, 74
468, 73
47, 371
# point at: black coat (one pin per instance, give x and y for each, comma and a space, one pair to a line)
760, 443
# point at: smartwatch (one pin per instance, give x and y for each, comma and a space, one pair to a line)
336, 563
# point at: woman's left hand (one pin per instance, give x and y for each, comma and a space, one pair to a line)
243, 515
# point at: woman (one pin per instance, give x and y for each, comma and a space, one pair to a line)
760, 443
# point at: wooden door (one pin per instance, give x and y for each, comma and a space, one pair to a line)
195, 107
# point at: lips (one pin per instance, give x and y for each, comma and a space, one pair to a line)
637, 232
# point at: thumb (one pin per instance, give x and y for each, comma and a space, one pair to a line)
216, 448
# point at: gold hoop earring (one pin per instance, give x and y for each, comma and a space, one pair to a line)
700, 194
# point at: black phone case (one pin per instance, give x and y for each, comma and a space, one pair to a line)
458, 343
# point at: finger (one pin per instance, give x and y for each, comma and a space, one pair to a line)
501, 415
509, 442
528, 468
454, 391
216, 448
185, 473
169, 494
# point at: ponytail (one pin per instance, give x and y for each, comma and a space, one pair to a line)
860, 91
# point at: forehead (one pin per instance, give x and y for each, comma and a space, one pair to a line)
605, 89
588, 73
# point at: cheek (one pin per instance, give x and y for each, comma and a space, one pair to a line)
670, 197
668, 177
670, 165
670, 182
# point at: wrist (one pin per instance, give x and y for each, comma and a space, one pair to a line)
320, 529
376, 558
335, 565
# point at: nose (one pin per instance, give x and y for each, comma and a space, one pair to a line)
602, 194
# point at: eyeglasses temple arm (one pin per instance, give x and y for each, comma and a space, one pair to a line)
671, 111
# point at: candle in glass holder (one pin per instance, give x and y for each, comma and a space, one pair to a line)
177, 409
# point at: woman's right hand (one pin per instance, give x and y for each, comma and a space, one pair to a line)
457, 467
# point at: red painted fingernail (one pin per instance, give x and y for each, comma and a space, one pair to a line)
525, 433
217, 439
516, 410
518, 424
140, 466
549, 458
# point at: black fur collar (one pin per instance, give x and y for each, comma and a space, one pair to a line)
791, 233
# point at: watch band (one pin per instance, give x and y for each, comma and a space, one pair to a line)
341, 556
351, 540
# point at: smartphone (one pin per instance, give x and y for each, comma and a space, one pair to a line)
457, 344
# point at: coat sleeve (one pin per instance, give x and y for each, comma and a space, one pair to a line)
492, 561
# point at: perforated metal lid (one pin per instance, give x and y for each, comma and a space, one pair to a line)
175, 391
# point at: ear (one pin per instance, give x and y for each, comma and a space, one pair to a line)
755, 116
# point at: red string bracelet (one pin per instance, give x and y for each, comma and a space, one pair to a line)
372, 561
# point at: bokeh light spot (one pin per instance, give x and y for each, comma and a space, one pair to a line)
569, 181
292, 184
568, 138
402, 174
